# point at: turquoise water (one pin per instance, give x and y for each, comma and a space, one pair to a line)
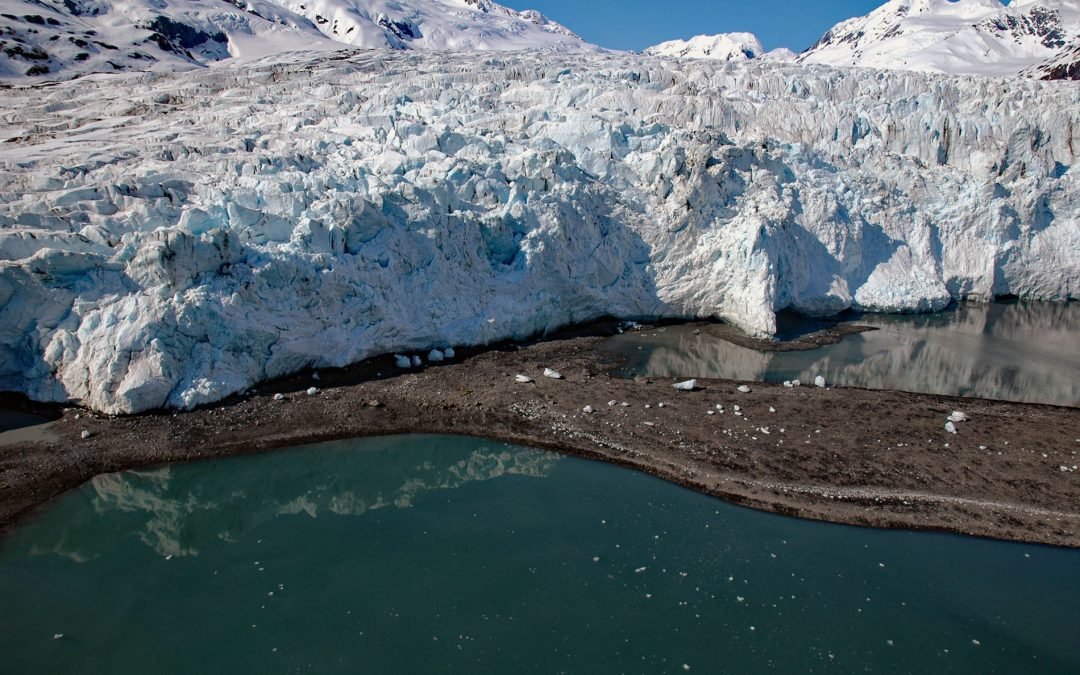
436, 554
1026, 352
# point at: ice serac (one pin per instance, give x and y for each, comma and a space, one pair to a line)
170, 239
722, 47
960, 37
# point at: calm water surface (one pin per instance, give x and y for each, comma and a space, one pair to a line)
1009, 351
432, 554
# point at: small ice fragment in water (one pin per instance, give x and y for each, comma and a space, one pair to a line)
435, 356
552, 374
85, 434
523, 379
819, 381
744, 389
689, 385
950, 427
449, 352
976, 643
416, 362
312, 391
958, 416
57, 636
402, 361
315, 376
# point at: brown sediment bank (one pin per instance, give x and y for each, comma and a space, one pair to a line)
875, 458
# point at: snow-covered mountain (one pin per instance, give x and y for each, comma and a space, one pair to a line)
169, 239
58, 39
963, 37
721, 47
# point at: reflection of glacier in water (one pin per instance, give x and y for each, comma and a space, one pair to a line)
179, 512
1017, 351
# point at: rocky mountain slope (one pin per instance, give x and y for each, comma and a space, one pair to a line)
722, 47
59, 39
170, 239
962, 37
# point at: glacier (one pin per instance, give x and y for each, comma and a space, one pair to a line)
169, 239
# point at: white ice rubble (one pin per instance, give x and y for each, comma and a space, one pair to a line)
170, 239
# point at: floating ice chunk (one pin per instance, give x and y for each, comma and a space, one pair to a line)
523, 379
85, 434
689, 385
315, 376
958, 416
416, 362
819, 381
744, 389
950, 427
279, 397
312, 391
57, 636
402, 361
449, 352
435, 356
552, 374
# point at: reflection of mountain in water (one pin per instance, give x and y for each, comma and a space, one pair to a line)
1020, 352
178, 510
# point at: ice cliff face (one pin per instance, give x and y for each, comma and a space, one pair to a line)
961, 37
169, 239
59, 39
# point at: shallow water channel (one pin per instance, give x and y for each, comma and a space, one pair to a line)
434, 554
1026, 352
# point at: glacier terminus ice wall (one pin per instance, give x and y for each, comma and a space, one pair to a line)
170, 239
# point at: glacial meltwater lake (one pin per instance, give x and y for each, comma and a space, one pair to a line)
1016, 351
423, 554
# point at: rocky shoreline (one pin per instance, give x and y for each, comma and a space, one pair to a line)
861, 457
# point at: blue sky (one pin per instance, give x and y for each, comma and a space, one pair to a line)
636, 24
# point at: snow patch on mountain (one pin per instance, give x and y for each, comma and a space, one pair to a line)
722, 47
969, 37
170, 239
